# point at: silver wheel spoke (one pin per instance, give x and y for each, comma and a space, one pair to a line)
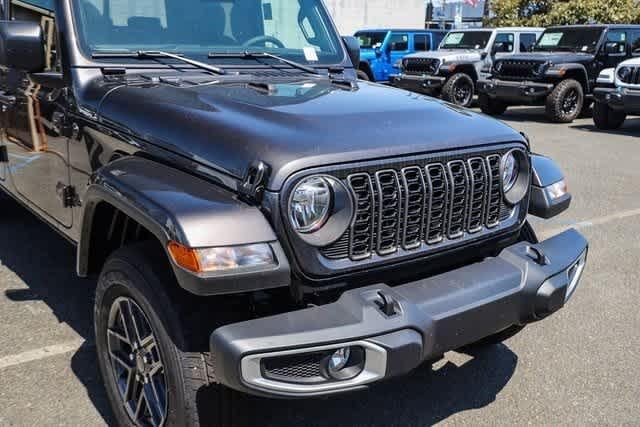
118, 336
121, 361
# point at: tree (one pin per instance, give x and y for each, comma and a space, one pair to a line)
559, 12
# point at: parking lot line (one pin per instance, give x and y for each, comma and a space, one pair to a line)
42, 353
594, 221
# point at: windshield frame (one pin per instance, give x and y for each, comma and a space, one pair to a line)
489, 40
596, 48
81, 57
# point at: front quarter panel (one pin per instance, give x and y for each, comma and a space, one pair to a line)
174, 205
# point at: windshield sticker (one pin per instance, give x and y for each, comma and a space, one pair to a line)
310, 54
454, 38
550, 39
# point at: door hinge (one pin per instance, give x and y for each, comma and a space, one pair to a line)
4, 156
68, 195
252, 186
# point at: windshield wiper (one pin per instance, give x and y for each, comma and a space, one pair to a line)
158, 53
254, 55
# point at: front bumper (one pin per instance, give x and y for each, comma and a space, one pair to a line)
620, 99
420, 320
514, 92
418, 83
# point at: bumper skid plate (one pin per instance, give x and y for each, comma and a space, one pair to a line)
426, 318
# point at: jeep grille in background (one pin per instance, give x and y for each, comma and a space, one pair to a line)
414, 206
517, 68
420, 65
633, 77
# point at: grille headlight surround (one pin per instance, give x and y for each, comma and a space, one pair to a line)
624, 73
540, 69
515, 173
310, 204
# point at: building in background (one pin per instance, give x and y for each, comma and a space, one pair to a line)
353, 15
454, 13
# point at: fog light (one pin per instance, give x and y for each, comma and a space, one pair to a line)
339, 359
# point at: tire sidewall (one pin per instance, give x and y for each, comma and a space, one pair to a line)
453, 82
121, 279
557, 96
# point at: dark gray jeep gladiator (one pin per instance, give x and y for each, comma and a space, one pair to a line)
259, 221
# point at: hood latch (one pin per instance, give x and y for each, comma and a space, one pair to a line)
255, 179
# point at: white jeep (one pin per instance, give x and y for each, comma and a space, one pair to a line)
463, 57
617, 94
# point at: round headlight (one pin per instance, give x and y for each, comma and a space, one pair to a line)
310, 204
509, 171
498, 66
624, 73
515, 174
540, 69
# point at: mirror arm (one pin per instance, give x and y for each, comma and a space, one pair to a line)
49, 79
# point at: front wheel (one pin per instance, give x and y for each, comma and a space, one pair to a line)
565, 102
149, 379
459, 90
605, 118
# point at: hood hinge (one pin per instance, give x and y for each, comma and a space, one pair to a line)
253, 184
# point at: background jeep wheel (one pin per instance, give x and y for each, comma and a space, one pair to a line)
606, 118
362, 75
564, 103
149, 379
492, 107
459, 90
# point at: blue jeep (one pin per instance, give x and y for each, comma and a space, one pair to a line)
382, 48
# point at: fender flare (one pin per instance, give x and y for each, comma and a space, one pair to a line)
463, 67
560, 71
174, 205
545, 173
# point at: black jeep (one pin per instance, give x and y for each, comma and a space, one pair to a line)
252, 226
560, 72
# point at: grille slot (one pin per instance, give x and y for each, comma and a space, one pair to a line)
361, 236
414, 206
389, 199
518, 68
459, 182
421, 65
478, 191
439, 186
495, 192
296, 367
633, 77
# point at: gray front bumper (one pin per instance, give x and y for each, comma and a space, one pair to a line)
418, 83
621, 99
514, 91
523, 284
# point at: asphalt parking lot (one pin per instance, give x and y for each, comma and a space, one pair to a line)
579, 367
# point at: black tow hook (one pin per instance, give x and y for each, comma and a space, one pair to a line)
387, 304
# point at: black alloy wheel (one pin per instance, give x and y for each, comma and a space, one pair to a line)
136, 363
570, 103
459, 89
565, 102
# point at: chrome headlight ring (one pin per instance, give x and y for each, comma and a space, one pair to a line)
515, 175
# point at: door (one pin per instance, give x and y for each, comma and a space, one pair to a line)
397, 47
37, 151
421, 42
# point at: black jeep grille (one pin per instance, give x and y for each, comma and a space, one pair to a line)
633, 77
421, 65
410, 206
512, 68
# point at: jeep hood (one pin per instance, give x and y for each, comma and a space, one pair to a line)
451, 55
554, 57
294, 125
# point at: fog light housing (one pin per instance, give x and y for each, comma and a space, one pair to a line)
344, 363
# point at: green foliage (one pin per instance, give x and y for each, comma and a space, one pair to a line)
558, 12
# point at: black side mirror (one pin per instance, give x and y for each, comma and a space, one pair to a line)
612, 48
353, 49
484, 55
497, 47
22, 46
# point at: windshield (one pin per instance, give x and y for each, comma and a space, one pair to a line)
466, 40
371, 39
298, 30
569, 39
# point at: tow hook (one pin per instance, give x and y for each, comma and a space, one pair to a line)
386, 304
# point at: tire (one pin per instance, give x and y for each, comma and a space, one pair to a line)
459, 89
491, 107
586, 110
564, 103
362, 75
133, 285
606, 118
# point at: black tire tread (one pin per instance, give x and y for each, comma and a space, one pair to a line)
447, 89
607, 119
491, 107
552, 103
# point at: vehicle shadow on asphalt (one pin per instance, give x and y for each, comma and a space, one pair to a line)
533, 114
45, 262
631, 127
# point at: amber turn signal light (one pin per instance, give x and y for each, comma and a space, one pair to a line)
185, 257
